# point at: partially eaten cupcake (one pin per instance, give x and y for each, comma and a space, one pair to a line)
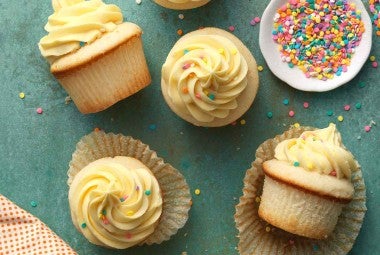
308, 183
98, 59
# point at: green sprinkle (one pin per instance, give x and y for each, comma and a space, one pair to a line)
82, 44
315, 247
358, 105
269, 115
211, 96
147, 192
330, 113
185, 51
83, 225
33, 203
361, 84
285, 101
122, 199
104, 212
296, 163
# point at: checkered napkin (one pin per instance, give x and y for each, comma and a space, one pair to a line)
22, 233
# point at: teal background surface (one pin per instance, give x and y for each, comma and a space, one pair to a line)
36, 149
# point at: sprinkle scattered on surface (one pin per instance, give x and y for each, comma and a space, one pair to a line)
340, 118
21, 95
296, 125
97, 129
358, 106
138, 1
347, 107
267, 229
305, 105
330, 113
269, 115
260, 68
39, 110
291, 113
285, 101
296, 164
130, 213
367, 128
374, 64
231, 28
152, 127
372, 58
33, 203
128, 236
83, 225
148, 192
242, 122
197, 192
179, 32
361, 84
181, 16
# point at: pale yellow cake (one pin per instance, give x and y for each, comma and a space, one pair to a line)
181, 4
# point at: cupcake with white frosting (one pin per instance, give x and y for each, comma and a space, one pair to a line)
95, 56
209, 78
181, 4
121, 194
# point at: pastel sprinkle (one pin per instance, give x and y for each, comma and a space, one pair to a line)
152, 127
211, 96
332, 173
33, 203
374, 7
358, 106
242, 122
186, 66
291, 113
128, 236
198, 96
148, 192
122, 199
104, 212
367, 128
185, 90
130, 213
181, 16
83, 225
82, 44
361, 84
252, 22
305, 105
97, 129
374, 64
267, 229
372, 58
197, 192
340, 118
260, 68
39, 110
296, 164
347, 107
185, 51
257, 19
330, 113
21, 95
137, 188
269, 115
285, 101
296, 125
231, 28
315, 247
138, 2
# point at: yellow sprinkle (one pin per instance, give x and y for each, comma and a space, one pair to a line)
296, 125
197, 191
309, 165
221, 51
340, 118
234, 51
242, 122
21, 95
130, 213
260, 68
267, 229
372, 58
257, 199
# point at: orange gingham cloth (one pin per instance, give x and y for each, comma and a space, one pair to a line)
22, 233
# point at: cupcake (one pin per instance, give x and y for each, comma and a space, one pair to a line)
181, 4
121, 194
209, 78
304, 192
95, 56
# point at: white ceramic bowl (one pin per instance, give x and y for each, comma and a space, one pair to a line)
294, 76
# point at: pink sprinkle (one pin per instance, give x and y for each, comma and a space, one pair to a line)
291, 113
128, 236
367, 128
198, 96
305, 105
374, 64
231, 28
105, 221
39, 110
253, 22
347, 107
332, 173
233, 123
186, 66
257, 19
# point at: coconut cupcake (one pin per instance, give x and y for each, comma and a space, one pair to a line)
313, 195
121, 194
181, 4
98, 59
209, 78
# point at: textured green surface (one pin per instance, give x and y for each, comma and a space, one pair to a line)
35, 149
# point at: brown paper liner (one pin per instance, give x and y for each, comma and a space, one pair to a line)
175, 191
258, 237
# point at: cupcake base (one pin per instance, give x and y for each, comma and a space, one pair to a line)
244, 100
181, 6
175, 191
256, 236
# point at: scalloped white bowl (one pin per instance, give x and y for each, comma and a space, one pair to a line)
294, 76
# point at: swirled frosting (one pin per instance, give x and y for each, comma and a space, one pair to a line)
76, 22
183, 1
320, 150
115, 202
204, 74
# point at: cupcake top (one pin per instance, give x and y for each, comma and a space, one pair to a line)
204, 75
320, 151
115, 202
76, 22
183, 1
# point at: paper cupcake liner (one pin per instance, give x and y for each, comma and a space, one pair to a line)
175, 191
258, 237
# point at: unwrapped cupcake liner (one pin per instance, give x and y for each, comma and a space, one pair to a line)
256, 236
175, 191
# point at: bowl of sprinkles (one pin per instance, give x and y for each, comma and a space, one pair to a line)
315, 45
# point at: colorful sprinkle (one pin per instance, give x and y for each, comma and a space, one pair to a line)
130, 213
181, 16
315, 247
347, 107
137, 188
305, 105
152, 127
148, 192
285, 101
257, 19
269, 115
198, 96
138, 2
332, 173
97, 129
291, 113
374, 7
242, 122
21, 95
185, 52
296, 164
372, 58
260, 68
358, 106
211, 96
197, 191
185, 90
267, 229
83, 225
319, 37
186, 66
361, 84
104, 212
128, 236
122, 199
82, 44
258, 199
374, 64
330, 113
179, 32
340, 118
367, 128
231, 28
33, 203
39, 110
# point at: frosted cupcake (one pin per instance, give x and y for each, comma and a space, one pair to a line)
304, 192
121, 194
98, 59
209, 78
181, 4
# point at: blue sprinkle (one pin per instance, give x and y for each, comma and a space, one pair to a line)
152, 127
211, 96
285, 101
186, 51
315, 247
82, 44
